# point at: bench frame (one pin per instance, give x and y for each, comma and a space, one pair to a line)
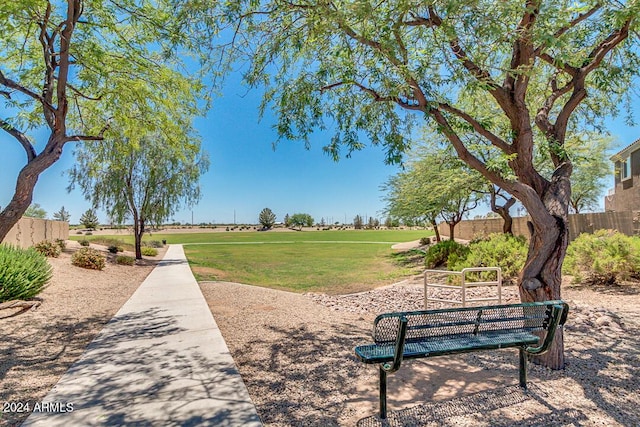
537, 317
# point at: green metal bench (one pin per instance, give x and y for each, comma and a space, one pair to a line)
420, 334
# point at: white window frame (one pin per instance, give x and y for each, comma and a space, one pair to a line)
625, 168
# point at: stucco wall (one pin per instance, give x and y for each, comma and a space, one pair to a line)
578, 223
29, 231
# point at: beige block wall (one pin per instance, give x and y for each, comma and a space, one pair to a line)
578, 223
29, 231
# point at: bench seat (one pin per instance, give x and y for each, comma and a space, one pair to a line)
529, 327
383, 353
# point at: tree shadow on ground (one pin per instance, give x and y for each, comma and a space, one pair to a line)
442, 413
136, 372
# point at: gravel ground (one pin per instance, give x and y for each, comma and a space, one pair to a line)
295, 353
38, 346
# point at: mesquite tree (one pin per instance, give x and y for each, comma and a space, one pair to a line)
73, 67
145, 179
511, 72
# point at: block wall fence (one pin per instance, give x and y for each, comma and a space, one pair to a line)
625, 222
29, 231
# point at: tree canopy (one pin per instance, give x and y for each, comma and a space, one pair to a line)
146, 181
511, 74
75, 67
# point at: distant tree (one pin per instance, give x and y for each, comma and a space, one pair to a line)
72, 67
89, 219
434, 184
35, 211
62, 215
373, 223
504, 210
358, 222
301, 220
267, 218
505, 70
391, 222
287, 220
591, 167
147, 178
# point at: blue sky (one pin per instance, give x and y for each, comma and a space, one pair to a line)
247, 175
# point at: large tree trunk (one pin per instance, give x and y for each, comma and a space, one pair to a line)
541, 276
25, 183
452, 227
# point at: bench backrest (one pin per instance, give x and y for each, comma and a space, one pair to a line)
428, 324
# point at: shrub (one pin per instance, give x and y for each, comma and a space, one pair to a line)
153, 244
79, 232
425, 241
147, 251
125, 260
440, 253
603, 257
48, 248
61, 243
88, 233
496, 250
23, 273
88, 258
114, 249
84, 242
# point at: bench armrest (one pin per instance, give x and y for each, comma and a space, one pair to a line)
558, 317
399, 348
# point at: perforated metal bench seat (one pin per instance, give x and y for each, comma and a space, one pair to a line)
382, 353
420, 334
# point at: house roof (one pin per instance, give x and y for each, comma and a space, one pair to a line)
626, 151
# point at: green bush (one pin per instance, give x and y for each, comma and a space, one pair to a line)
496, 250
48, 248
605, 257
23, 273
443, 252
147, 251
114, 249
425, 241
61, 243
88, 258
84, 242
125, 260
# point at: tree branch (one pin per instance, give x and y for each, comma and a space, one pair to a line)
377, 97
490, 136
13, 85
22, 139
465, 155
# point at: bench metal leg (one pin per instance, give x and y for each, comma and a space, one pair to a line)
523, 368
383, 393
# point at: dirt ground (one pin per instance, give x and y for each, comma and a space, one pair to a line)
296, 357
38, 346
295, 353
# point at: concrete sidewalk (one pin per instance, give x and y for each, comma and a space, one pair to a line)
161, 361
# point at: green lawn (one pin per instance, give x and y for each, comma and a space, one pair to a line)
324, 261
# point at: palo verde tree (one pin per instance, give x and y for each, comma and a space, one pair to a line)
142, 177
69, 68
530, 69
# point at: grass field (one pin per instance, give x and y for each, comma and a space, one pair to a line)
323, 261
